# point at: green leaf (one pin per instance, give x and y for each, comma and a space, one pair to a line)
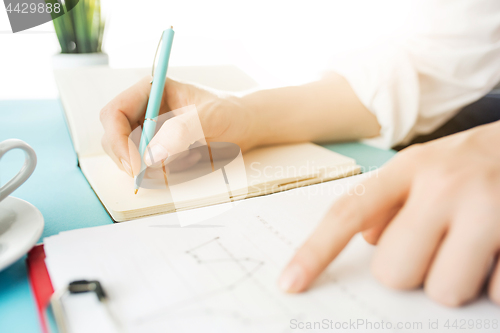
81, 29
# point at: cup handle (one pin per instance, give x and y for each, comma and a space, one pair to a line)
25, 172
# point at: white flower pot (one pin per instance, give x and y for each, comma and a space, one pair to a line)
72, 60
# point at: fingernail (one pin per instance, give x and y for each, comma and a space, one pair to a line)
155, 154
127, 167
292, 279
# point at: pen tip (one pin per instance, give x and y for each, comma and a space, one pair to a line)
136, 191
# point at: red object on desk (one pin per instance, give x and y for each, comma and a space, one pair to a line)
40, 282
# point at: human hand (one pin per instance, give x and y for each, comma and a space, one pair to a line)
223, 118
433, 211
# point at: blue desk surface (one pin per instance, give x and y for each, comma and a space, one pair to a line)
60, 191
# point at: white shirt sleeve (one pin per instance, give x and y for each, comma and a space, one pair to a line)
450, 59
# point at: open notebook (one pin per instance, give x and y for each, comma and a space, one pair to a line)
84, 92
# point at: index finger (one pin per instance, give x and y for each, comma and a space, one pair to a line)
120, 116
347, 216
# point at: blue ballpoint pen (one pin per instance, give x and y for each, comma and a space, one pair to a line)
153, 108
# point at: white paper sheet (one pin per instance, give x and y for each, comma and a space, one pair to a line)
220, 276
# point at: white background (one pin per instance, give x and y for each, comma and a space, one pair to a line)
277, 42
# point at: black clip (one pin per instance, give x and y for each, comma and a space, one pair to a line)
84, 286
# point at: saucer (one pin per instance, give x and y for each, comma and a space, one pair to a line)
21, 225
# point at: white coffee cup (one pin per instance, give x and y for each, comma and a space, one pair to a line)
26, 170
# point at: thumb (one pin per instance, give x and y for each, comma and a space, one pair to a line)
175, 136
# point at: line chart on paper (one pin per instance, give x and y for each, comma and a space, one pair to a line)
214, 254
235, 292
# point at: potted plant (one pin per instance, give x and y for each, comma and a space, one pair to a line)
80, 32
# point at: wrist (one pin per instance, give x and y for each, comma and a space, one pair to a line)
248, 121
265, 109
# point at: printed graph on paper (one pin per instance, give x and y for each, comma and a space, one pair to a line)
238, 295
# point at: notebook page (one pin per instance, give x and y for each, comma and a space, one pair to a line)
85, 91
